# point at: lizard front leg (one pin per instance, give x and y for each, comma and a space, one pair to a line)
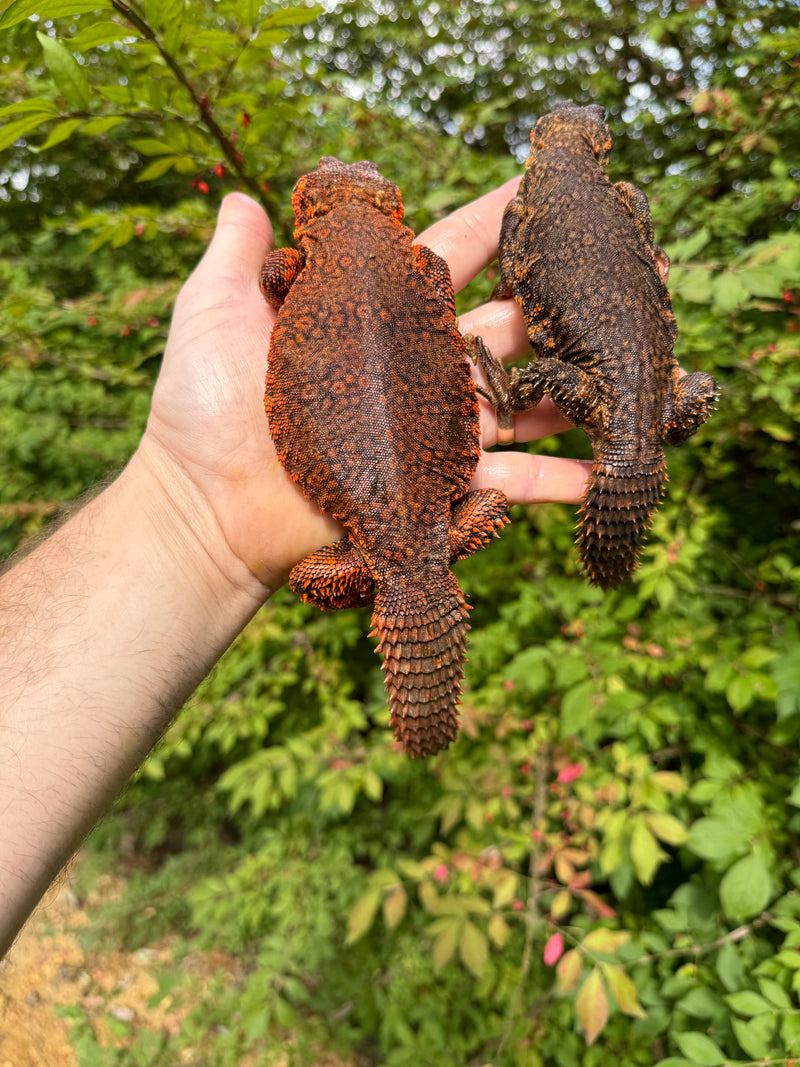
437, 272
279, 272
509, 228
638, 205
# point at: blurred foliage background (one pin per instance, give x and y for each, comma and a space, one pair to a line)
605, 864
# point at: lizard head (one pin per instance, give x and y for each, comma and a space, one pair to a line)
334, 183
568, 124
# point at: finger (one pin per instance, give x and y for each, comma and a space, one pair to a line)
533, 479
242, 238
542, 421
468, 238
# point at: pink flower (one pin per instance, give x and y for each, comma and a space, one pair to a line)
553, 950
570, 772
517, 905
441, 873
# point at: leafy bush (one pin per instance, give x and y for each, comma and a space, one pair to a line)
605, 862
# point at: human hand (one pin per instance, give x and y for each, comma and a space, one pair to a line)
207, 439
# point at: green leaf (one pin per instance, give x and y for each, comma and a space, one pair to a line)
48, 9
716, 838
688, 248
93, 127
474, 948
97, 33
157, 168
745, 889
754, 1035
748, 1002
290, 16
730, 968
577, 706
65, 71
363, 913
591, 1006
775, 993
61, 132
729, 292
162, 14
12, 131
33, 103
700, 1049
445, 944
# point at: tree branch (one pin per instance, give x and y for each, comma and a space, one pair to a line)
129, 13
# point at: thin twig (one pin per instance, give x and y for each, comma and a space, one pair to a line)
203, 107
532, 916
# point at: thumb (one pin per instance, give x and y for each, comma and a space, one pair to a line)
241, 240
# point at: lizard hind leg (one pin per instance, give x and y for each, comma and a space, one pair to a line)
334, 577
422, 635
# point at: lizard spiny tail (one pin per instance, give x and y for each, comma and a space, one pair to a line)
422, 635
616, 510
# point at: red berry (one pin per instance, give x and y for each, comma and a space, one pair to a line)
219, 170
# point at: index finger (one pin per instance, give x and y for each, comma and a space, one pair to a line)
467, 239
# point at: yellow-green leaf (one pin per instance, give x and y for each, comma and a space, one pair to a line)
362, 915
505, 888
394, 906
591, 1006
568, 971
623, 990
645, 852
12, 131
474, 948
667, 827
61, 132
48, 9
562, 902
603, 940
498, 930
669, 781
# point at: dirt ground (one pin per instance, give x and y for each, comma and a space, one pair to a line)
47, 967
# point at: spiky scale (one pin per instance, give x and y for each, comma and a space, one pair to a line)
373, 413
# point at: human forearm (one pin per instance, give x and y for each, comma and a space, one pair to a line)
104, 631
